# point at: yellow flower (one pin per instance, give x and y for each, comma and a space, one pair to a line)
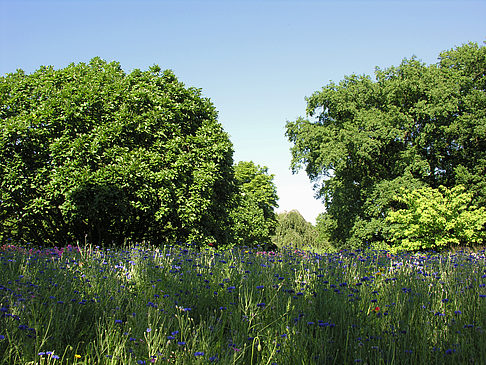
77, 356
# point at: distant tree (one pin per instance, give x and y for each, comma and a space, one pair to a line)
253, 218
294, 230
89, 152
414, 125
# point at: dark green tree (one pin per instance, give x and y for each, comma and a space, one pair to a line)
294, 230
413, 125
90, 152
253, 218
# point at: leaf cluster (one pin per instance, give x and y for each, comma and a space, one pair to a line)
434, 219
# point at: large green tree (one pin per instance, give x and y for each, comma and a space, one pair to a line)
253, 218
89, 152
413, 125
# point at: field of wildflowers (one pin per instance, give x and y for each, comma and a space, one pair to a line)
184, 305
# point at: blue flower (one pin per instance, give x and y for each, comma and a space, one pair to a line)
261, 305
199, 353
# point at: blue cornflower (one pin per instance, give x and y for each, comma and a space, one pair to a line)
141, 362
260, 287
174, 333
213, 358
2, 337
118, 321
261, 305
170, 337
148, 329
199, 353
181, 343
457, 312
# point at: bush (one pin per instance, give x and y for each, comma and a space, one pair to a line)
436, 219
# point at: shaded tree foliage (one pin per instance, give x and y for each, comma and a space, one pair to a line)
90, 152
413, 125
294, 230
253, 218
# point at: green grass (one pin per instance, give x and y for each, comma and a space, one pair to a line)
181, 305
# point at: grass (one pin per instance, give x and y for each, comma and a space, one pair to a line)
181, 305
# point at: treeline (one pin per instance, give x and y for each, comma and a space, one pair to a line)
89, 153
400, 160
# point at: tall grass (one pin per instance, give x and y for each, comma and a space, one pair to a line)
181, 305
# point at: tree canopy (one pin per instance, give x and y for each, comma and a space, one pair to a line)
91, 153
413, 126
253, 218
294, 230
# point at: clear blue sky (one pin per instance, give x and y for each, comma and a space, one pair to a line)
256, 60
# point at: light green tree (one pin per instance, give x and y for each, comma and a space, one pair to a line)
294, 230
436, 219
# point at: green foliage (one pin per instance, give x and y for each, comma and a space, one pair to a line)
253, 218
436, 219
414, 125
294, 230
91, 153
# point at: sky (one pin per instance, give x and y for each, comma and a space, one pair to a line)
256, 60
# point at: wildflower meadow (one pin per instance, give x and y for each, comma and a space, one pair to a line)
184, 304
